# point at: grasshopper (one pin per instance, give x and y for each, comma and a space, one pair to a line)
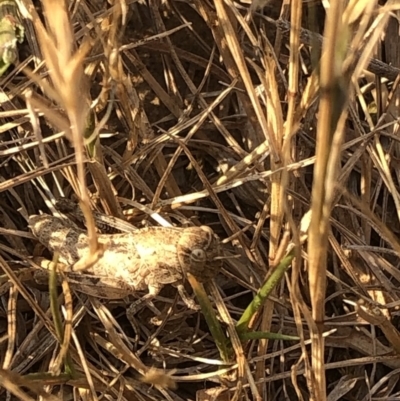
147, 258
11, 33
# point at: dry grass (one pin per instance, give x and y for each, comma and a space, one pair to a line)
219, 113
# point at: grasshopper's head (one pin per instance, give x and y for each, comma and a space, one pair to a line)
199, 253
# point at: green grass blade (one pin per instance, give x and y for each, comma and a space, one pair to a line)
263, 293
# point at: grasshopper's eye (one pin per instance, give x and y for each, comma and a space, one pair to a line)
198, 256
